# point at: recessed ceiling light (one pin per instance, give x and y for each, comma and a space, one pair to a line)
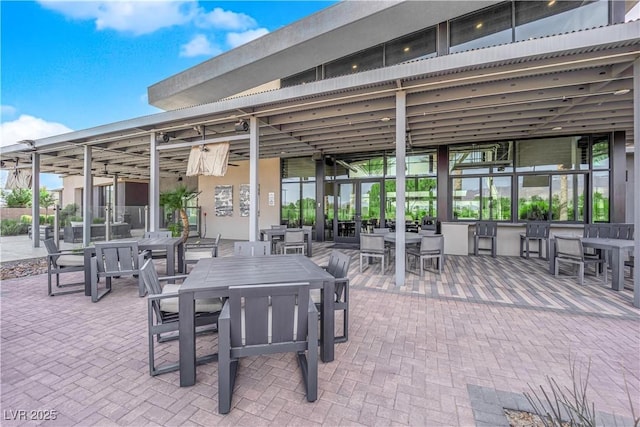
478, 25
557, 128
551, 3
406, 49
354, 66
385, 119
622, 92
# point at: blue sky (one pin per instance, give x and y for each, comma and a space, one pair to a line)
70, 66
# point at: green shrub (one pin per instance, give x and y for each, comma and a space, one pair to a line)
98, 221
12, 227
25, 219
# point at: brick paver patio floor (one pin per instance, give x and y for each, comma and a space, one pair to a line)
429, 354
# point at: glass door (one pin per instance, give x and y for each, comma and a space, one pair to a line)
346, 214
357, 209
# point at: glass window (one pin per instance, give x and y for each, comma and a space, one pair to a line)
496, 198
567, 197
414, 46
298, 168
488, 27
533, 198
417, 164
553, 154
291, 203
368, 168
466, 198
308, 205
600, 153
422, 197
390, 199
307, 76
542, 18
600, 202
364, 60
481, 158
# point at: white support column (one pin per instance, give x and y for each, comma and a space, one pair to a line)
87, 198
35, 196
636, 183
114, 195
254, 157
154, 184
401, 120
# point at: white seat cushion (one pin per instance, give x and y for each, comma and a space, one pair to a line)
205, 305
70, 261
196, 255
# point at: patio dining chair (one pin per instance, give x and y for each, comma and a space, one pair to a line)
59, 262
486, 230
373, 246
195, 251
535, 231
267, 319
431, 248
163, 316
113, 260
157, 253
252, 248
569, 249
293, 240
338, 267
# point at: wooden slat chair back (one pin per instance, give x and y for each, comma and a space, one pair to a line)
569, 249
252, 248
622, 231
267, 319
535, 231
338, 267
157, 253
163, 318
486, 230
114, 259
59, 262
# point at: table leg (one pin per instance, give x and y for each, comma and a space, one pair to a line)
309, 251
327, 320
180, 249
87, 271
552, 256
617, 269
187, 339
171, 262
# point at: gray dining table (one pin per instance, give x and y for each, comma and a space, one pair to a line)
173, 245
409, 238
617, 247
270, 233
212, 277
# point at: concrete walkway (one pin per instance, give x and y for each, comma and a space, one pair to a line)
415, 356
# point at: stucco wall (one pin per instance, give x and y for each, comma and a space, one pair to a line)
72, 183
236, 226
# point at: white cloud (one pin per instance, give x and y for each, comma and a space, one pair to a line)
236, 39
7, 111
136, 17
199, 45
29, 127
225, 20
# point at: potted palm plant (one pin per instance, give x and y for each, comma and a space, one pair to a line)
176, 201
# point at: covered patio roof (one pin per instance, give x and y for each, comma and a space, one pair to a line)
573, 83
